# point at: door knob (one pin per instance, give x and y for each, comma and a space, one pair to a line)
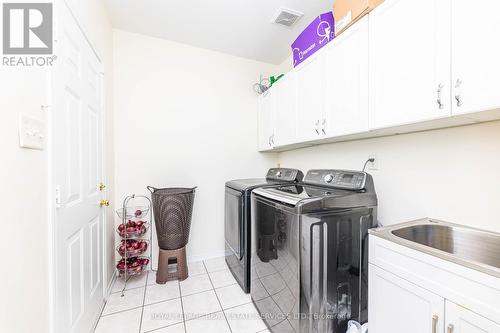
104, 203
101, 187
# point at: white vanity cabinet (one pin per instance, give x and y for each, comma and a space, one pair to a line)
461, 320
414, 292
396, 305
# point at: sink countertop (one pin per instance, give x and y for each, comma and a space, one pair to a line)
386, 232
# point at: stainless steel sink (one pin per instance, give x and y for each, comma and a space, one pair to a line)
470, 247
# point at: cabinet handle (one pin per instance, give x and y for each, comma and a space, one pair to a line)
272, 139
324, 127
439, 101
458, 92
450, 329
269, 141
317, 127
435, 319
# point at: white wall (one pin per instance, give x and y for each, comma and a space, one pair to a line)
450, 174
23, 179
185, 117
24, 287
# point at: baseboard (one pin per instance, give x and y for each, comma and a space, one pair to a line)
212, 255
106, 295
110, 286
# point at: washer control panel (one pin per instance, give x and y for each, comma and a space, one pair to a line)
343, 179
284, 174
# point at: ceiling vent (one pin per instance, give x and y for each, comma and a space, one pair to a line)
286, 17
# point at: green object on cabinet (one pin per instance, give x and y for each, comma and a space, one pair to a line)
273, 79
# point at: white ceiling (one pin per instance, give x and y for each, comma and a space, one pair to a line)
237, 27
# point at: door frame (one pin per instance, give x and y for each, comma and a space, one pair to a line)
51, 207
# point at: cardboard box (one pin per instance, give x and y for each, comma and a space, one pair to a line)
316, 35
347, 12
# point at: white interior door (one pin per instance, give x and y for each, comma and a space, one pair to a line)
461, 320
409, 62
346, 106
475, 55
77, 153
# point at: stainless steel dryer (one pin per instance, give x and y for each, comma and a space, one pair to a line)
309, 262
237, 218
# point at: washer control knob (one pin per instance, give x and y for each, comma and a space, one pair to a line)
328, 178
278, 174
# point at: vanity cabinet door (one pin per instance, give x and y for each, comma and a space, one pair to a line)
310, 89
461, 320
396, 305
346, 106
267, 116
286, 110
409, 62
475, 54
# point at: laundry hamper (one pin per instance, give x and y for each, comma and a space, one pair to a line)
173, 209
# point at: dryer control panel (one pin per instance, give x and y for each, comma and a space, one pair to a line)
284, 174
342, 179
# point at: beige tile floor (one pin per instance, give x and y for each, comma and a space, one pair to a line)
208, 301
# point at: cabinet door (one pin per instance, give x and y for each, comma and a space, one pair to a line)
396, 305
286, 107
346, 106
409, 62
461, 320
266, 120
475, 55
310, 85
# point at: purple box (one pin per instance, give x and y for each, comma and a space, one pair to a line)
316, 35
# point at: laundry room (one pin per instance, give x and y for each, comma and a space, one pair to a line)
322, 166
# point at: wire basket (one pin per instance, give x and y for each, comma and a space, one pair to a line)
135, 212
173, 209
128, 248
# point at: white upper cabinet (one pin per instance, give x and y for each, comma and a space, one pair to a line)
346, 97
286, 106
401, 68
310, 88
461, 320
410, 62
267, 116
475, 55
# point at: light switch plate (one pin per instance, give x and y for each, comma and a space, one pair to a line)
31, 132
